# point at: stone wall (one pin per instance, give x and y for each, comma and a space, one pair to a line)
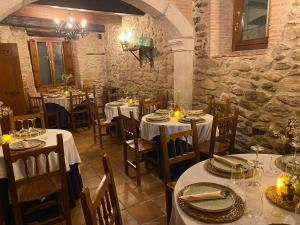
123, 69
19, 36
265, 86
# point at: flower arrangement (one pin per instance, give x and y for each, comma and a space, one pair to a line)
291, 134
66, 78
4, 110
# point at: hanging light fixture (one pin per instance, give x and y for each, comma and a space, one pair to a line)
70, 29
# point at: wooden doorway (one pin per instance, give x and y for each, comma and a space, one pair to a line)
11, 84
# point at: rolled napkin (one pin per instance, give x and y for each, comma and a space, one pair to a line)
25, 144
204, 196
228, 162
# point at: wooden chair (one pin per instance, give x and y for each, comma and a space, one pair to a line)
181, 151
218, 107
40, 116
39, 185
149, 106
80, 110
99, 122
37, 104
104, 209
224, 143
114, 96
130, 140
163, 97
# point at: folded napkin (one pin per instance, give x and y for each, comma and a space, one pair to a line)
203, 196
25, 144
227, 161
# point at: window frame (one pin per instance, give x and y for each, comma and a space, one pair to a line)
237, 43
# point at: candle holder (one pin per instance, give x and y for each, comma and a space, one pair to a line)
130, 100
5, 139
177, 113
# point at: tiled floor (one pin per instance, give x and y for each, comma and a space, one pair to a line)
144, 205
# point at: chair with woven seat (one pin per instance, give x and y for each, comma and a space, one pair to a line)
38, 116
179, 151
79, 110
99, 122
104, 209
38, 182
224, 142
130, 140
37, 104
220, 108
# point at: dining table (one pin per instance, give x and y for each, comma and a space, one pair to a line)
72, 161
111, 109
198, 173
149, 130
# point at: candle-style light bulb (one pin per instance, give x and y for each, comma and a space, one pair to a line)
57, 21
83, 23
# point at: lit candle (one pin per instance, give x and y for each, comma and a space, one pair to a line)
281, 183
130, 101
66, 93
177, 113
5, 139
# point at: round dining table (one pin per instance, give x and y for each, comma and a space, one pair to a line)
111, 111
149, 130
198, 173
72, 161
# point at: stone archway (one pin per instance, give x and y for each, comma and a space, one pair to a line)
180, 31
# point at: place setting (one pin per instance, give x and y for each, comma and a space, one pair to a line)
157, 118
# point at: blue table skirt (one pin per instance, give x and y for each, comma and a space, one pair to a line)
177, 169
63, 115
74, 185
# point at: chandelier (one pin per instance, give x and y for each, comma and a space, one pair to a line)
70, 29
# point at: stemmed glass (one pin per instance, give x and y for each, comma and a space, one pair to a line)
295, 160
254, 200
257, 149
237, 180
22, 125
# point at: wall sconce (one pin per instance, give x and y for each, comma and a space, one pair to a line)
140, 44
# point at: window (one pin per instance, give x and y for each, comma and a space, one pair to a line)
250, 25
50, 58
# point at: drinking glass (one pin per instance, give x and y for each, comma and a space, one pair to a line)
22, 125
257, 149
237, 181
272, 166
254, 200
297, 214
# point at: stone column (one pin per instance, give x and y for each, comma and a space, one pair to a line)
183, 50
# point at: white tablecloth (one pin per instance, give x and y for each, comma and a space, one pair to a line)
150, 130
70, 150
112, 111
197, 173
62, 101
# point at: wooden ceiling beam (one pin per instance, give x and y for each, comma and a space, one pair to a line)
32, 22
49, 12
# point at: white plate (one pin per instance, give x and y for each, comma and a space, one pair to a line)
226, 168
32, 143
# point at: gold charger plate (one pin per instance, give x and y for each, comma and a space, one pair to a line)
280, 162
277, 200
228, 216
211, 169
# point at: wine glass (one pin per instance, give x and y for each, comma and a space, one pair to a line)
237, 180
22, 125
254, 200
296, 162
257, 149
297, 214
272, 167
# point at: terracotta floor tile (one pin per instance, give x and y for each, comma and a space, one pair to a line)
160, 221
161, 202
132, 196
145, 212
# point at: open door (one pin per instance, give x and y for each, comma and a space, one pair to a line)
11, 84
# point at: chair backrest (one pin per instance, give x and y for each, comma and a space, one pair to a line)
114, 96
38, 174
176, 148
128, 127
35, 103
163, 97
220, 108
79, 100
227, 131
104, 209
149, 106
14, 119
